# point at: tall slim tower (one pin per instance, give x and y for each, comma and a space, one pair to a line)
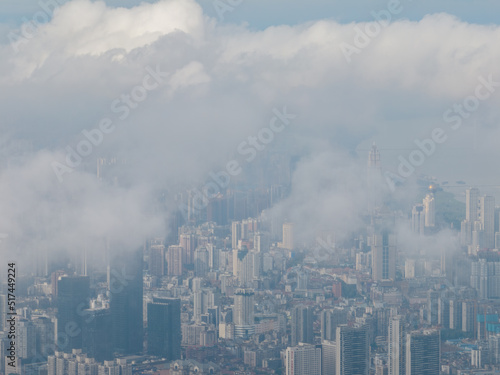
430, 210
397, 346
73, 295
164, 328
418, 219
243, 312
288, 236
374, 176
125, 287
486, 215
302, 325
353, 350
384, 256
303, 359
235, 233
423, 352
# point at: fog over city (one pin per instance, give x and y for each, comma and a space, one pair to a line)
120, 125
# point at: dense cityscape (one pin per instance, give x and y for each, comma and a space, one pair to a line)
231, 294
249, 187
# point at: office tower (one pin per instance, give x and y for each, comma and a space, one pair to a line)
486, 216
374, 176
430, 210
157, 260
302, 325
423, 352
397, 346
188, 242
303, 359
246, 266
164, 328
126, 302
469, 314
330, 319
383, 256
328, 356
243, 312
288, 236
213, 257
97, 334
54, 277
175, 263
3, 311
444, 312
418, 219
201, 262
73, 297
432, 307
455, 314
45, 334
471, 204
235, 234
353, 350
26, 339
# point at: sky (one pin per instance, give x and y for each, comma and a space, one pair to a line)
423, 86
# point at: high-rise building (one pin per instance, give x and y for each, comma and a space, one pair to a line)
164, 328
73, 297
384, 256
26, 339
175, 263
397, 346
235, 234
430, 210
328, 356
423, 352
45, 334
418, 219
374, 176
97, 334
188, 242
353, 350
201, 262
288, 236
302, 325
330, 320
303, 359
486, 216
157, 260
243, 312
126, 305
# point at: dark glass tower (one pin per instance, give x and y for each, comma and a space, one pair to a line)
73, 297
97, 334
164, 328
125, 288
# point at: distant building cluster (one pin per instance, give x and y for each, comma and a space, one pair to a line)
231, 293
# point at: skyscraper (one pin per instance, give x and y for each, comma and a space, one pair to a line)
430, 210
235, 233
303, 359
384, 256
175, 262
418, 219
353, 350
397, 346
97, 334
486, 216
125, 286
330, 319
288, 236
157, 260
73, 297
302, 325
328, 357
423, 352
164, 328
243, 312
